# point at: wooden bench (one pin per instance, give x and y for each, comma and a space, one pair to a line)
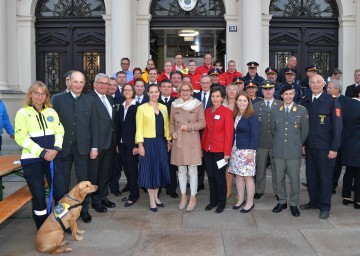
14, 202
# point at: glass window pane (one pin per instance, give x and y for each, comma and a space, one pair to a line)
66, 8
91, 66
202, 8
52, 71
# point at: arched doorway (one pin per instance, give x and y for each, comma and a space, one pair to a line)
70, 35
193, 32
306, 29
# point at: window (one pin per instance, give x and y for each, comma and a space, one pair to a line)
202, 8
66, 8
303, 8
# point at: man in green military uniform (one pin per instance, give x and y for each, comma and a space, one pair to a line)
290, 128
263, 109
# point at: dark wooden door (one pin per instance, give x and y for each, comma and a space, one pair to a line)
64, 44
311, 40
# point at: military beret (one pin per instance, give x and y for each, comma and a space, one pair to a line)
252, 64
250, 84
290, 71
214, 71
238, 80
271, 70
311, 68
267, 84
286, 88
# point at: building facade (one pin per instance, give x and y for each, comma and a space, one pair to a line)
46, 38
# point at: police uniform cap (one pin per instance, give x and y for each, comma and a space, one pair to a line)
311, 68
290, 71
238, 80
286, 88
252, 64
214, 71
250, 84
271, 70
267, 84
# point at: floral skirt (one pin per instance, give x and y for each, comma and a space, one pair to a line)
238, 164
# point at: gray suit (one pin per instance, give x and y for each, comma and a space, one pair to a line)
78, 116
264, 150
290, 132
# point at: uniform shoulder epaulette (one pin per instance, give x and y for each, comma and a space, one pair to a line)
301, 106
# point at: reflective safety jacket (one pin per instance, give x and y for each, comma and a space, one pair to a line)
36, 131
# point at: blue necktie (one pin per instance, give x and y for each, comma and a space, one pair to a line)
204, 100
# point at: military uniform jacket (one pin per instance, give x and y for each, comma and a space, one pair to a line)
290, 131
264, 116
325, 122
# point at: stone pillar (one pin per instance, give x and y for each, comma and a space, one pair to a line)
251, 35
121, 33
265, 61
142, 39
233, 42
3, 45
347, 45
108, 48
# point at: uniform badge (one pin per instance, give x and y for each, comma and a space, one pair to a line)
338, 112
60, 210
50, 118
275, 103
281, 108
294, 108
322, 119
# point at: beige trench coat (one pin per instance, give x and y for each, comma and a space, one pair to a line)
186, 149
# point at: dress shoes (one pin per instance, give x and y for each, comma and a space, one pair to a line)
279, 208
347, 201
294, 211
125, 199
219, 210
306, 207
209, 207
108, 204
99, 208
356, 205
324, 215
128, 203
117, 193
153, 209
248, 210
86, 217
201, 187
258, 195
160, 205
235, 207
173, 195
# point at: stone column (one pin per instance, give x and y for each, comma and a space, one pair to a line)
3, 45
251, 33
108, 48
233, 42
347, 46
121, 33
142, 39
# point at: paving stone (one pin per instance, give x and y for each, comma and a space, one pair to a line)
345, 217
341, 241
178, 243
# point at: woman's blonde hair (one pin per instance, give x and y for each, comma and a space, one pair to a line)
33, 87
178, 89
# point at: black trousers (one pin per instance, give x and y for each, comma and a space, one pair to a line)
201, 173
337, 169
116, 173
100, 173
171, 188
217, 181
34, 175
130, 163
352, 174
81, 163
319, 176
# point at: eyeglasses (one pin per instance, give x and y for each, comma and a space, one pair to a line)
38, 94
101, 83
185, 90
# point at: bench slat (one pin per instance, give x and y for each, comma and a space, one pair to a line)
14, 202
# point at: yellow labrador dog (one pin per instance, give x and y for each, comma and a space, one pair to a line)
50, 236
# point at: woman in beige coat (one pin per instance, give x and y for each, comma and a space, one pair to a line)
186, 120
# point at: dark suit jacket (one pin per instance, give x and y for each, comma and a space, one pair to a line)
106, 124
83, 113
127, 128
247, 133
168, 104
145, 98
342, 100
197, 95
350, 91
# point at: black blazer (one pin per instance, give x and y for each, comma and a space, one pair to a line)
168, 104
105, 124
84, 114
342, 100
145, 98
197, 95
127, 128
350, 91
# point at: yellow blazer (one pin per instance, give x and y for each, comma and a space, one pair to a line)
145, 122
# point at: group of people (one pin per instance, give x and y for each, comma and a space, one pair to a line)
190, 122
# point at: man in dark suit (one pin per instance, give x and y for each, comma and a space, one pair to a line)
350, 89
100, 168
334, 88
204, 97
153, 75
141, 96
76, 111
322, 145
167, 99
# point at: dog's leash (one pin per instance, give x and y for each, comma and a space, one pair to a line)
51, 187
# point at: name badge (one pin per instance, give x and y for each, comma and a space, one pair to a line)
217, 117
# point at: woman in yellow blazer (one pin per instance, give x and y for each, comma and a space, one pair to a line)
152, 132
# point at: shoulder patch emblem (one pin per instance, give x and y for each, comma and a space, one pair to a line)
338, 112
50, 118
281, 108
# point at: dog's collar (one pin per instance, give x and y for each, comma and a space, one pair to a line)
66, 195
